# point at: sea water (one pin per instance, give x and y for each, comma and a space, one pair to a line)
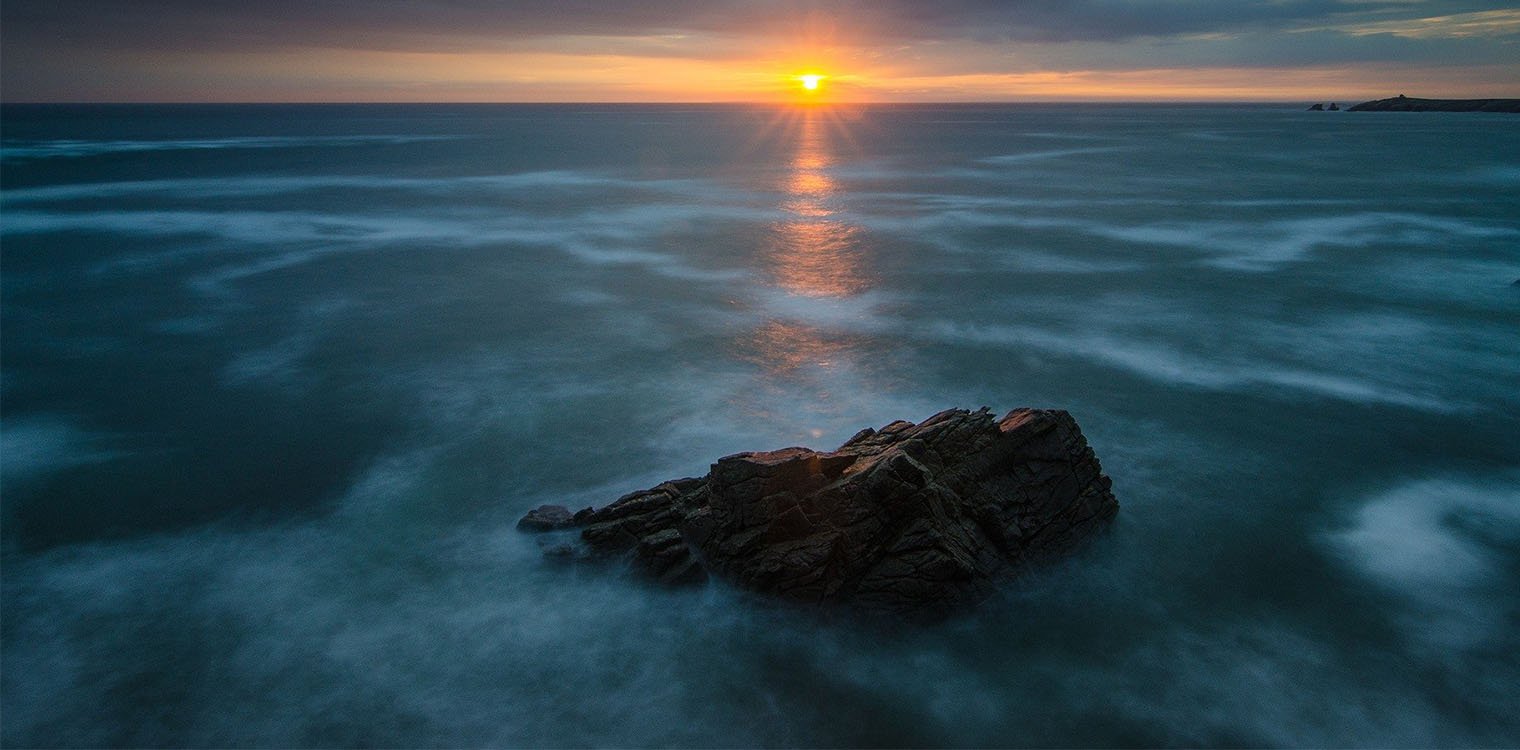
279, 380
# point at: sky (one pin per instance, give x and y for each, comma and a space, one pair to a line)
753, 50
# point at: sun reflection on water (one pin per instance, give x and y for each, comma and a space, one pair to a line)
816, 262
789, 348
814, 251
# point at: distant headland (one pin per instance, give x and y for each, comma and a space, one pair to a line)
1403, 103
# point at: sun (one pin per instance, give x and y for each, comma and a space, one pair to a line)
810, 81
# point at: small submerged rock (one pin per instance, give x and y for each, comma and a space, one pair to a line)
906, 518
550, 518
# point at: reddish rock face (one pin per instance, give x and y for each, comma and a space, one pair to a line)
906, 518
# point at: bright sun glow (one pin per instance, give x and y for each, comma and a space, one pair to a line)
810, 81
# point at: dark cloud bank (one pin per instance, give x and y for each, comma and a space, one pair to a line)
218, 24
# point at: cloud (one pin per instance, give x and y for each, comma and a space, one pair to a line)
1493, 23
622, 50
480, 25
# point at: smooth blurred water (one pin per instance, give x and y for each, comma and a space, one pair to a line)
278, 381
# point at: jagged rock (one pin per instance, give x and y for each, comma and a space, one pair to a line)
908, 517
1317, 108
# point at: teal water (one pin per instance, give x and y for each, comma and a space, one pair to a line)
276, 382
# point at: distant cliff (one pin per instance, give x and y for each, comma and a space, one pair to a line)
1405, 104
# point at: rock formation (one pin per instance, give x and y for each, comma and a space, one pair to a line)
910, 517
1317, 108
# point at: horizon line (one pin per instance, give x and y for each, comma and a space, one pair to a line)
720, 102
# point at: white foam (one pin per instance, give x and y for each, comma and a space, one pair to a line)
855, 312
664, 264
1502, 174
1252, 246
1032, 156
198, 188
67, 149
1166, 364
613, 237
278, 363
34, 446
1436, 544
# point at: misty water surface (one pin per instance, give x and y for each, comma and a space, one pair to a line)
278, 382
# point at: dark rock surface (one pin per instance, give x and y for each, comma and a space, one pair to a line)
905, 518
550, 518
1403, 103
1316, 108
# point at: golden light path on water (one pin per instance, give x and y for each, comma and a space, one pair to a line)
817, 259
816, 252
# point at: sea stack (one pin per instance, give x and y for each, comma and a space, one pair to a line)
907, 518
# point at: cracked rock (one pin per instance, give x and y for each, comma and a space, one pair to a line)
911, 517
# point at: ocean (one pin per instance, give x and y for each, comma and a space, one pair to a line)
276, 383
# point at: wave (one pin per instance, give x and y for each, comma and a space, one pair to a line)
1442, 547
1236, 245
599, 237
1173, 366
198, 188
1032, 156
35, 445
73, 149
